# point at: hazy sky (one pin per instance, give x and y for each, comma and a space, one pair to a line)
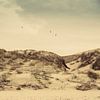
61, 26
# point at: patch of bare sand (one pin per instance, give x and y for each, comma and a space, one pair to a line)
47, 94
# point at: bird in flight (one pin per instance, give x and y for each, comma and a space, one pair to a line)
55, 35
50, 31
21, 27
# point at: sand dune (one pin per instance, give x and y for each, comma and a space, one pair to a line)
42, 75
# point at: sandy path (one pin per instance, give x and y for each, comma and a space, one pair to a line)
69, 94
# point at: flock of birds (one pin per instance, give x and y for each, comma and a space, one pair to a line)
51, 32
55, 34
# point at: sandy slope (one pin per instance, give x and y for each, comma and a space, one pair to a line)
32, 75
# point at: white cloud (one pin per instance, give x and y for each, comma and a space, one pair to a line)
12, 23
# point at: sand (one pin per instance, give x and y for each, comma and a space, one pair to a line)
69, 94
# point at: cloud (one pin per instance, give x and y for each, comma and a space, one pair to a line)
11, 22
5, 3
59, 7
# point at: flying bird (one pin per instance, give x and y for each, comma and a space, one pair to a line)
21, 27
50, 31
55, 35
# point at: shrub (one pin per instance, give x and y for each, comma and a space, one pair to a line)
96, 65
92, 75
86, 86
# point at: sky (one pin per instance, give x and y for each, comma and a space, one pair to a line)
61, 26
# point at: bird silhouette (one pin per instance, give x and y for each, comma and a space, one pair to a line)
21, 27
55, 35
50, 31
